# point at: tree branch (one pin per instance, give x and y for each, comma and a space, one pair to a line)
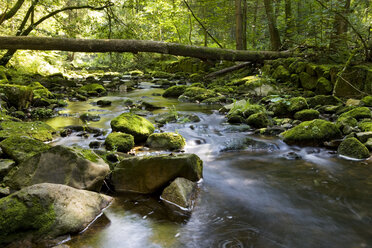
7, 15
201, 24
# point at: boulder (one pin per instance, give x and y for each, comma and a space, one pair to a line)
324, 86
195, 93
307, 115
180, 193
5, 166
78, 168
259, 120
20, 148
120, 142
323, 100
175, 91
364, 136
288, 107
18, 96
104, 103
358, 113
281, 73
92, 89
168, 141
46, 211
37, 130
149, 174
312, 133
248, 143
353, 148
367, 101
307, 81
365, 126
368, 144
133, 124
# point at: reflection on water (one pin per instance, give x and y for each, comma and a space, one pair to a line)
284, 197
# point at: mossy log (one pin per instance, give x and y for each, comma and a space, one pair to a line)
135, 46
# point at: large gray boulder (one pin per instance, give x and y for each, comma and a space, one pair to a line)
148, 174
46, 211
180, 193
78, 168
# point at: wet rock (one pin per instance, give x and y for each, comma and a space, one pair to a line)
363, 136
175, 91
104, 103
259, 120
148, 174
167, 141
36, 130
292, 156
353, 148
270, 131
312, 133
86, 117
358, 113
92, 90
133, 124
368, 144
46, 211
180, 193
332, 143
149, 106
120, 142
306, 115
95, 144
5, 166
21, 148
248, 144
235, 119
78, 168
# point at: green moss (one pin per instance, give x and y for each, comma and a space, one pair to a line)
296, 104
121, 142
365, 126
161, 74
37, 130
18, 96
40, 91
175, 91
312, 133
136, 73
281, 73
287, 107
308, 82
352, 147
324, 86
133, 124
367, 101
87, 154
307, 115
21, 148
169, 141
323, 100
215, 100
258, 120
92, 89
346, 122
358, 113
193, 94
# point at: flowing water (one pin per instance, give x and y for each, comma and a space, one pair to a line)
271, 196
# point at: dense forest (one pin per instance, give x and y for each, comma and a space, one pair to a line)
185, 123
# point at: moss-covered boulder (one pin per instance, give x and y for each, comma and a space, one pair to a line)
311, 133
17, 96
323, 100
358, 113
367, 101
46, 211
258, 120
281, 73
168, 141
149, 174
346, 123
120, 142
37, 130
193, 94
353, 148
175, 91
5, 166
308, 82
20, 148
324, 86
307, 115
180, 193
78, 168
288, 107
137, 126
41, 95
253, 109
92, 89
365, 126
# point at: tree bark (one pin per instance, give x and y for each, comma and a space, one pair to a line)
135, 46
274, 33
340, 26
239, 25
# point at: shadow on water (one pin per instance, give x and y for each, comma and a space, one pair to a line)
255, 196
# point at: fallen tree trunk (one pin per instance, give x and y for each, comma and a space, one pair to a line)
227, 70
135, 46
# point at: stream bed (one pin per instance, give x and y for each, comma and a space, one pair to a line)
270, 196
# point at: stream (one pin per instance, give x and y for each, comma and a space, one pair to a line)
269, 197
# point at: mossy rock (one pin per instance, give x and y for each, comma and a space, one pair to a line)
345, 123
287, 107
168, 141
307, 115
253, 109
312, 133
5, 166
86, 117
323, 100
215, 100
92, 89
365, 126
353, 148
161, 74
18, 96
46, 211
258, 120
136, 73
121, 142
180, 193
175, 91
21, 148
133, 124
281, 73
324, 86
367, 101
307, 81
358, 113
193, 94
37, 130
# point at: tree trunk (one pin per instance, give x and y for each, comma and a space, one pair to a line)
254, 31
245, 12
274, 33
239, 25
288, 21
135, 46
340, 27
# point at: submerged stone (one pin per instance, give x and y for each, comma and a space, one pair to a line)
133, 124
181, 193
168, 141
312, 133
78, 168
120, 142
353, 148
149, 174
46, 211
